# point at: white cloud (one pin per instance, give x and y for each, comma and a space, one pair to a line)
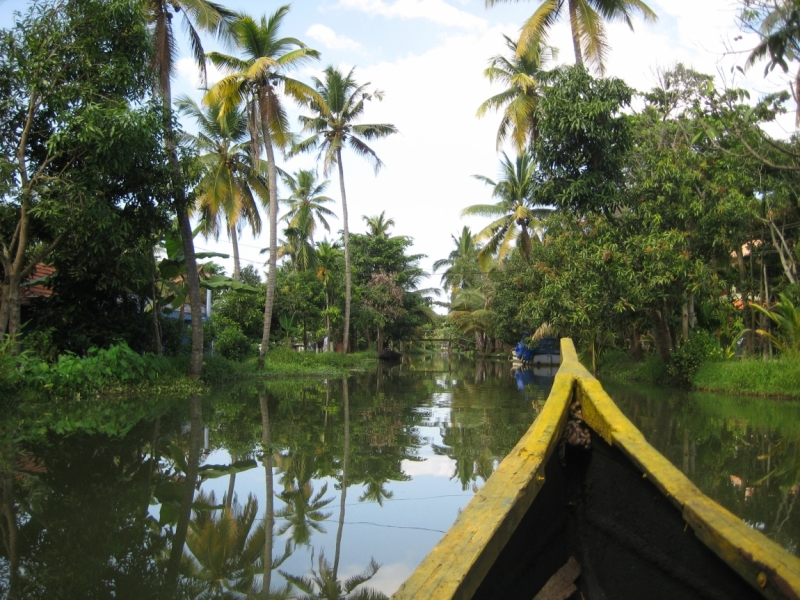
329, 38
436, 465
437, 11
187, 69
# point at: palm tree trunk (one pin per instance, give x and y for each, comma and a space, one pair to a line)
189, 481
237, 269
273, 224
573, 21
347, 268
346, 400
192, 278
266, 442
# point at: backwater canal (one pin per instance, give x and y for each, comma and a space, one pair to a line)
374, 468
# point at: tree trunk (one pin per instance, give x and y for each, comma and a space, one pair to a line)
573, 20
269, 520
273, 224
663, 340
346, 400
195, 301
189, 482
159, 344
185, 226
347, 267
379, 340
685, 320
237, 270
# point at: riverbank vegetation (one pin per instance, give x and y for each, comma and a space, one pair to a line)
659, 223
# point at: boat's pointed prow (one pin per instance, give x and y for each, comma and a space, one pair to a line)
629, 523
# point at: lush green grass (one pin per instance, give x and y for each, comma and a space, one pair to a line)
752, 377
282, 362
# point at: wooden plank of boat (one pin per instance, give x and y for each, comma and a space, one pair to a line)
634, 524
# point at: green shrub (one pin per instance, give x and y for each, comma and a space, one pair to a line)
701, 347
232, 344
100, 369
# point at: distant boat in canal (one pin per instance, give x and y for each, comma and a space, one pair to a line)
585, 508
390, 355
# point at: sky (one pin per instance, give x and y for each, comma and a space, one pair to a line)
428, 57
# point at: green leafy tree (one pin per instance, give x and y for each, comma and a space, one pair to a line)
78, 133
339, 106
583, 144
257, 80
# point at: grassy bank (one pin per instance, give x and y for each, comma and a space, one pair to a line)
750, 377
282, 362
753, 377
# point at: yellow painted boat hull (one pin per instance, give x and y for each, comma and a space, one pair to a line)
632, 522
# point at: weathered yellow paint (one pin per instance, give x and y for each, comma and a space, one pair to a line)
458, 564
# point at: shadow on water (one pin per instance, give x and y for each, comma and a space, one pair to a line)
742, 452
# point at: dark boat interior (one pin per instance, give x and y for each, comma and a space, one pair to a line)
599, 530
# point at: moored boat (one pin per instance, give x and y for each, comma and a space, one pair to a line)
583, 507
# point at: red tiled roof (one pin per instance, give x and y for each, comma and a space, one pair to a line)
39, 289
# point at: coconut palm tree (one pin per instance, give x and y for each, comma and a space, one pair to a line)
462, 262
518, 101
232, 178
378, 225
515, 214
586, 18
198, 15
306, 194
333, 126
299, 247
258, 79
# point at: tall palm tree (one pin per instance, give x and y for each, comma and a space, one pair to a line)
378, 225
518, 101
586, 18
202, 15
232, 178
462, 262
340, 105
306, 193
515, 213
257, 80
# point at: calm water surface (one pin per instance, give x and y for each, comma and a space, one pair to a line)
742, 452
342, 473
376, 467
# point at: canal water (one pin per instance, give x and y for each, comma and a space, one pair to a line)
343, 473
348, 475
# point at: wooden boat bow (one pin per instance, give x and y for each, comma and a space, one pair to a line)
457, 566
